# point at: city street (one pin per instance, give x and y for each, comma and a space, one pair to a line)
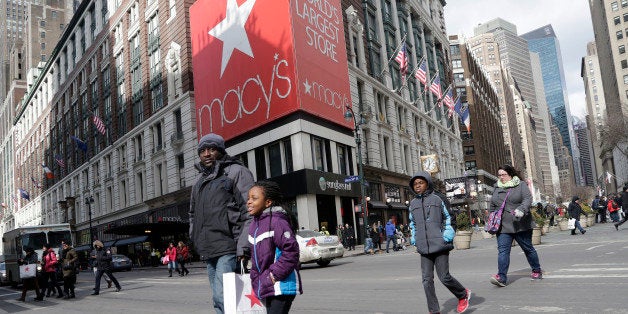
583, 274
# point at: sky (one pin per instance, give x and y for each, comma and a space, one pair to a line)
571, 20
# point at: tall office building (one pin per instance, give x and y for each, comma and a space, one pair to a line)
32, 28
610, 20
596, 107
544, 42
486, 51
585, 147
515, 56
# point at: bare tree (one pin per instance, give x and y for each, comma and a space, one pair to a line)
614, 134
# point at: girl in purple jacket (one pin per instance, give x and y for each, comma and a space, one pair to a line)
274, 249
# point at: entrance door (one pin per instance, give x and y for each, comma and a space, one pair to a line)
326, 209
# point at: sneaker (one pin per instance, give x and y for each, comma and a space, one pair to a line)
583, 231
497, 281
536, 275
463, 304
616, 227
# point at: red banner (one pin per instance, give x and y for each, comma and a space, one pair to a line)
255, 61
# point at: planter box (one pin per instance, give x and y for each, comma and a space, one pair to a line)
536, 236
583, 221
591, 219
545, 229
462, 240
563, 224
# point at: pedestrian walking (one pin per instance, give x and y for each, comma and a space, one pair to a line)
49, 268
613, 208
171, 252
218, 216
513, 195
182, 257
624, 206
575, 210
390, 235
95, 269
433, 238
102, 259
349, 237
30, 283
275, 273
68, 267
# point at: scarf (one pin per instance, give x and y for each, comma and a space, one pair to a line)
510, 184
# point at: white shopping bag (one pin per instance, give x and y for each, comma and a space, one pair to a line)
28, 271
571, 224
239, 295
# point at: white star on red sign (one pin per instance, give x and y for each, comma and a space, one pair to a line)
231, 31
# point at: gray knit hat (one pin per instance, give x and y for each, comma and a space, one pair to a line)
211, 140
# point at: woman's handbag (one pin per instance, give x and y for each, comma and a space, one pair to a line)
165, 260
494, 222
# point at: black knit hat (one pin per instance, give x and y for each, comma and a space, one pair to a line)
211, 140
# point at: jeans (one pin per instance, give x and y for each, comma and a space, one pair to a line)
389, 239
172, 265
216, 267
368, 245
440, 261
99, 273
578, 226
504, 244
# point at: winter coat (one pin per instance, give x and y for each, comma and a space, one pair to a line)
518, 198
183, 252
574, 210
430, 216
274, 249
29, 259
624, 199
390, 229
50, 261
69, 262
171, 252
103, 258
218, 215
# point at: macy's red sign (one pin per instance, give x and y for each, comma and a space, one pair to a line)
257, 60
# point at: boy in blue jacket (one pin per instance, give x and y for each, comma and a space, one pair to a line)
433, 239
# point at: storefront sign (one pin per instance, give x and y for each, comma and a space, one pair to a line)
245, 56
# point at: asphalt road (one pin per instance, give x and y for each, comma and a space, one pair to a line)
582, 274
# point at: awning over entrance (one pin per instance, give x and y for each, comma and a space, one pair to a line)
133, 240
398, 206
146, 228
377, 204
82, 248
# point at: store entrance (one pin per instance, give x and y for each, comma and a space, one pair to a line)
326, 209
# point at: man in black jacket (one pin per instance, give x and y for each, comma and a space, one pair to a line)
219, 220
575, 211
102, 262
624, 206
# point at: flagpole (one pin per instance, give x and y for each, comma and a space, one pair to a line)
394, 54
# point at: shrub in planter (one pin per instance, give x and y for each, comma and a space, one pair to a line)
463, 222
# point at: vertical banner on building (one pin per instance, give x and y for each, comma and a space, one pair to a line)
255, 61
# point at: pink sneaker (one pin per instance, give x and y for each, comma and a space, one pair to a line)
463, 304
536, 275
497, 281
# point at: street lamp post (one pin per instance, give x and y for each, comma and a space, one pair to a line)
88, 201
358, 142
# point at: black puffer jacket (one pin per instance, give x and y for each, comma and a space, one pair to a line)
102, 259
219, 220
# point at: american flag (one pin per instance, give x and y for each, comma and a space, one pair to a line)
100, 126
435, 87
448, 100
421, 72
35, 183
59, 161
402, 59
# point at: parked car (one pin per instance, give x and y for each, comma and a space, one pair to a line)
315, 247
120, 262
3, 274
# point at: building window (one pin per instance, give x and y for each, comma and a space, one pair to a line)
319, 154
614, 6
42, 35
625, 79
619, 34
624, 3
42, 23
622, 49
344, 160
469, 150
470, 165
624, 64
617, 20
625, 17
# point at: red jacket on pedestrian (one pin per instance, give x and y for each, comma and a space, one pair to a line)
183, 251
50, 261
172, 253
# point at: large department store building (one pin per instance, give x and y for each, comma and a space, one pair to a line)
130, 63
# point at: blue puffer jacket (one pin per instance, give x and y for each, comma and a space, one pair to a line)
430, 216
274, 249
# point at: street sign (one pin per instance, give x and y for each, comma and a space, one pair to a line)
352, 179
